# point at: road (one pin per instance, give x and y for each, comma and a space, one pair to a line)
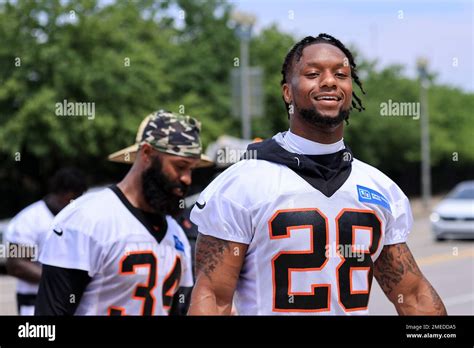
448, 265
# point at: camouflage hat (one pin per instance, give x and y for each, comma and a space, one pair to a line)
167, 132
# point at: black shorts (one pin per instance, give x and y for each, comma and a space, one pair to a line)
25, 300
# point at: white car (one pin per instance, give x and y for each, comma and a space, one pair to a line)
454, 215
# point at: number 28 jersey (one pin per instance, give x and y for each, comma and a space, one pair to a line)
308, 253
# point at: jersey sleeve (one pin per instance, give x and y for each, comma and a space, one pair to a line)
21, 230
401, 220
70, 243
221, 210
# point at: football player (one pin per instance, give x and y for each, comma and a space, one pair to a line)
28, 228
119, 251
301, 226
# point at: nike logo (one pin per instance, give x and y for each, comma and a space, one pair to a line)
58, 231
200, 206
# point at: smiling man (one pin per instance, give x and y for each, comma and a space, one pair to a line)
305, 227
119, 251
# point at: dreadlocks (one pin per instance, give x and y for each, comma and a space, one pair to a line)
294, 55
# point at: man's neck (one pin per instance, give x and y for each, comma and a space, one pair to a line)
322, 135
53, 203
131, 187
300, 145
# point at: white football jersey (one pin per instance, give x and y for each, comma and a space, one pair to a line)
132, 273
28, 228
307, 253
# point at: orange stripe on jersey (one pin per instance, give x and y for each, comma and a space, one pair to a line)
114, 310
354, 228
151, 278
343, 259
289, 230
368, 282
172, 290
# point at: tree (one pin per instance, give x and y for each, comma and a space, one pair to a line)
56, 51
129, 58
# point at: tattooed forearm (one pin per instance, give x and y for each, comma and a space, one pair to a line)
209, 253
218, 266
402, 281
394, 262
437, 303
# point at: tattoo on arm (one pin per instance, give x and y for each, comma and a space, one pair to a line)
209, 253
438, 304
396, 270
394, 262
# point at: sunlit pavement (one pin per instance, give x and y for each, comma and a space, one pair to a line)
448, 265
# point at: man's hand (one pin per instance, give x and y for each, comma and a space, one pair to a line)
402, 281
218, 265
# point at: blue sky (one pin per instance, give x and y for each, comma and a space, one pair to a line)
391, 31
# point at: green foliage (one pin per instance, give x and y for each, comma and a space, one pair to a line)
268, 50
451, 122
391, 142
132, 57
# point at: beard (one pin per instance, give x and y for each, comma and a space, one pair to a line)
158, 190
316, 118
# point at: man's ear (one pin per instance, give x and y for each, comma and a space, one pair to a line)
145, 152
287, 94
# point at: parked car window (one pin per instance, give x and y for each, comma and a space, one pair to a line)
466, 193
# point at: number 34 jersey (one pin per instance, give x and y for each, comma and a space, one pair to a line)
312, 242
135, 266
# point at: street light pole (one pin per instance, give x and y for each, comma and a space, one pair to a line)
245, 89
244, 23
425, 134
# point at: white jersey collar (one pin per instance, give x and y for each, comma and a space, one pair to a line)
296, 144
